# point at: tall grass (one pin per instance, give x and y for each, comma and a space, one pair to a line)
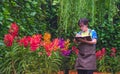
70, 12
101, 13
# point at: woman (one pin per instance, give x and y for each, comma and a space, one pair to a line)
86, 60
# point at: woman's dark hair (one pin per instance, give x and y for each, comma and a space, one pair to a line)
84, 21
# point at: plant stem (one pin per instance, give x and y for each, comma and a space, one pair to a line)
14, 71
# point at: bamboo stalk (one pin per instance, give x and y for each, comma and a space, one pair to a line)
93, 12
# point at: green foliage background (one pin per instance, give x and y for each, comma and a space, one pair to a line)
60, 17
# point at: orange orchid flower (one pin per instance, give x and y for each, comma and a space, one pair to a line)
55, 44
67, 43
47, 37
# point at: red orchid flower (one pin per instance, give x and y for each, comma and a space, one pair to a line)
74, 49
113, 50
35, 42
25, 41
99, 54
14, 29
8, 39
103, 51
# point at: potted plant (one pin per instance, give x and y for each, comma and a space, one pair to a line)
14, 56
72, 61
65, 54
108, 61
68, 57
30, 54
114, 61
102, 65
49, 59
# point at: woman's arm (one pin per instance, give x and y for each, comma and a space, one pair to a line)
94, 41
77, 35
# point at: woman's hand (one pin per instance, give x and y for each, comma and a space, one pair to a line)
74, 40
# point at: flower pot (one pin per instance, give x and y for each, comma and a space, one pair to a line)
101, 73
73, 72
60, 72
118, 73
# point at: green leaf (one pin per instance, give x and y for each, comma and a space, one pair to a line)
33, 13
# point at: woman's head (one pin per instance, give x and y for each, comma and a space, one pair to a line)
83, 24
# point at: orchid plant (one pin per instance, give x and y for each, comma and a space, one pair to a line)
108, 60
101, 60
114, 61
12, 61
38, 53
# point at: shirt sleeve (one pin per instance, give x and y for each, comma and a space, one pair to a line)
94, 34
78, 33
